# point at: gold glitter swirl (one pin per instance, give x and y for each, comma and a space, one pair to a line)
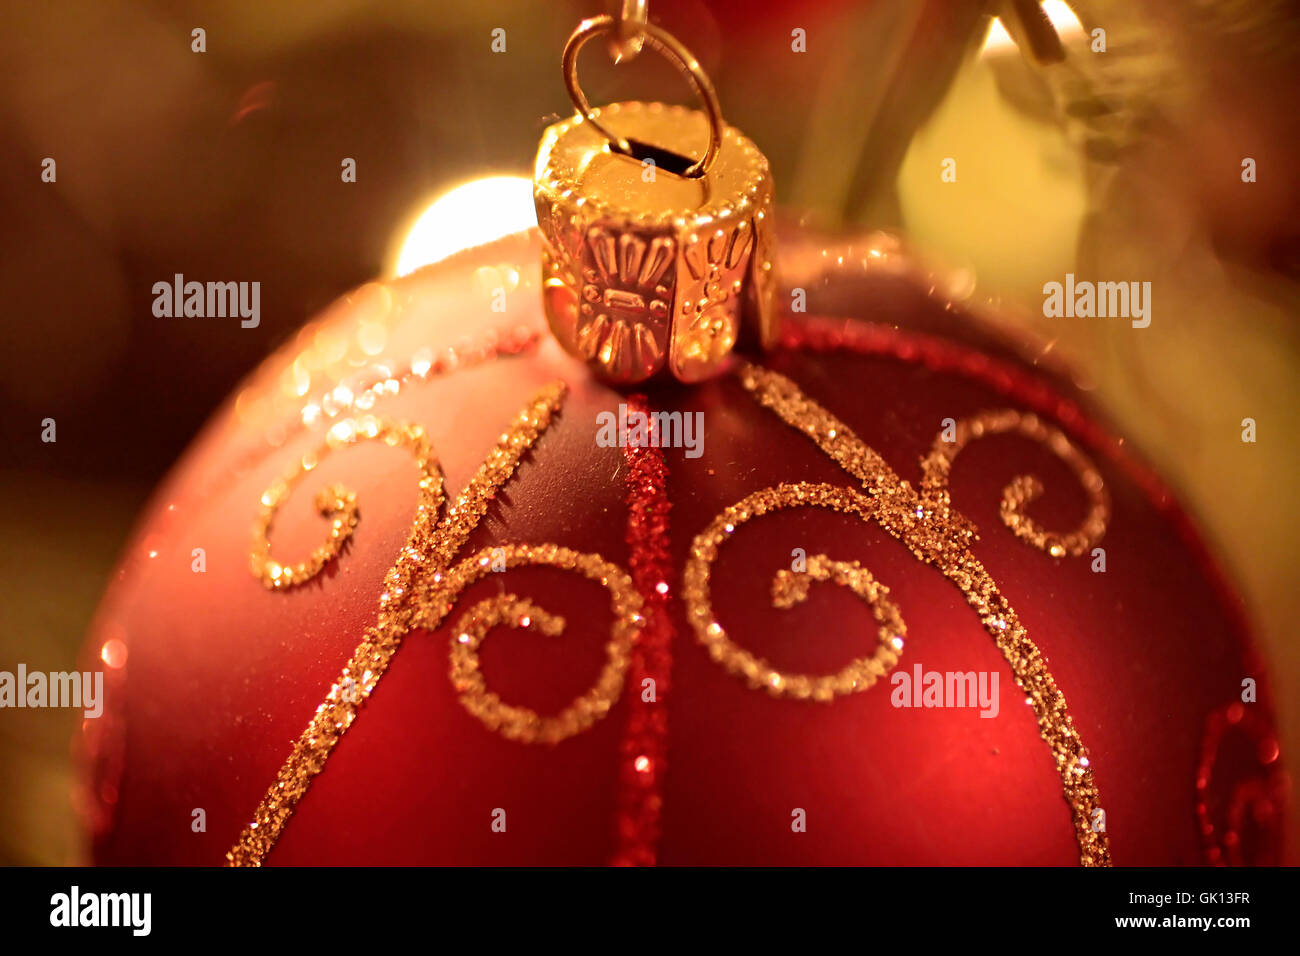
420, 590
1022, 489
422, 587
335, 501
936, 534
788, 589
521, 723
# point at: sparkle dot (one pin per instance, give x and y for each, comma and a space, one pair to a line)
642, 764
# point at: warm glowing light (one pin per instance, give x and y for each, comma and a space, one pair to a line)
1058, 11
998, 40
113, 653
1063, 18
469, 215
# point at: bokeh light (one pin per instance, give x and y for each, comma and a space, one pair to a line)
468, 215
1063, 19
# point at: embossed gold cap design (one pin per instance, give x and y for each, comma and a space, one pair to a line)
653, 263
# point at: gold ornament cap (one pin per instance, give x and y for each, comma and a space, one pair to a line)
654, 264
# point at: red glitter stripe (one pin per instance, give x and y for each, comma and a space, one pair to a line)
643, 749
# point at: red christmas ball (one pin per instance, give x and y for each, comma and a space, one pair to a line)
424, 591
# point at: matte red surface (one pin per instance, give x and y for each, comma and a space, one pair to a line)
223, 675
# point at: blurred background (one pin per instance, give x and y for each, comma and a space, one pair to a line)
225, 165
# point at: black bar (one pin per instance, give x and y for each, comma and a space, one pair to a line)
648, 908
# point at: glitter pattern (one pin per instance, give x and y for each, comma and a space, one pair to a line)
420, 591
934, 536
348, 381
788, 589
520, 723
335, 501
422, 587
1023, 488
643, 748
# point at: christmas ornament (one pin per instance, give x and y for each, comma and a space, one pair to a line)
520, 644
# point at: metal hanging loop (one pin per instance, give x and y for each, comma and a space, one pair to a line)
673, 50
